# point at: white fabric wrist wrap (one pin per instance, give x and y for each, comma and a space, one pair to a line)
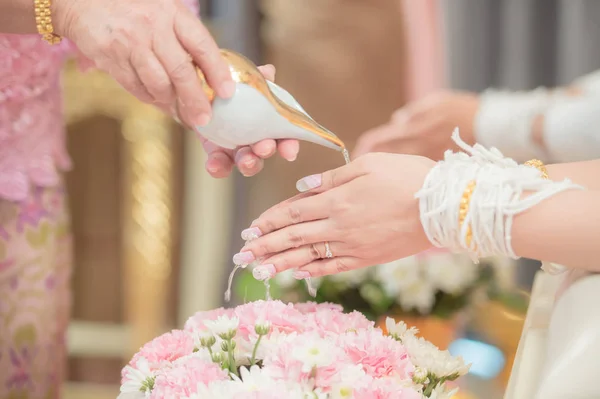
504, 121
503, 189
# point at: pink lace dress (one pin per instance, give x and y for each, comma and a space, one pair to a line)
35, 240
35, 243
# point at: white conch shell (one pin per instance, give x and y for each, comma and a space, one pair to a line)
249, 117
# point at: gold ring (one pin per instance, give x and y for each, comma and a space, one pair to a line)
316, 251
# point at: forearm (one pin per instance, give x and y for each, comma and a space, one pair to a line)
564, 229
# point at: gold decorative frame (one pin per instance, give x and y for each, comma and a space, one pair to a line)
147, 208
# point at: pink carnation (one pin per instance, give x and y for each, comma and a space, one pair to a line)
335, 322
183, 378
165, 349
386, 389
313, 307
380, 355
284, 318
196, 322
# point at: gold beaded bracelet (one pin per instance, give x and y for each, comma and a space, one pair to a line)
539, 165
465, 203
43, 21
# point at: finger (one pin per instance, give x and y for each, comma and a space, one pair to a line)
247, 162
198, 42
288, 149
153, 76
302, 256
328, 180
264, 148
325, 267
268, 71
281, 240
219, 164
127, 78
193, 105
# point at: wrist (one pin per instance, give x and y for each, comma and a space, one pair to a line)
61, 17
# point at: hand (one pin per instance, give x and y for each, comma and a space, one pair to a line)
366, 210
249, 159
150, 48
424, 127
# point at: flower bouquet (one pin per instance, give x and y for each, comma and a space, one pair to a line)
272, 350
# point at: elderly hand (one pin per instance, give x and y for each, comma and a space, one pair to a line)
249, 160
421, 128
150, 48
366, 211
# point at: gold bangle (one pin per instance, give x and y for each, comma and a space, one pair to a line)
539, 165
465, 203
43, 21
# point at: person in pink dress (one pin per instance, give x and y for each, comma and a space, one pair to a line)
147, 46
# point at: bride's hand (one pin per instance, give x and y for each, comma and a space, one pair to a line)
365, 210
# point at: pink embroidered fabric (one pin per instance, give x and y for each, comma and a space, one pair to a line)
32, 136
32, 131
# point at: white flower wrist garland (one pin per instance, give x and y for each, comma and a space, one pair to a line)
498, 195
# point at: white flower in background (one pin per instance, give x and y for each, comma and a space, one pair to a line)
396, 276
440, 392
399, 330
286, 279
224, 327
314, 352
420, 295
349, 378
451, 273
352, 278
136, 379
254, 379
427, 356
134, 395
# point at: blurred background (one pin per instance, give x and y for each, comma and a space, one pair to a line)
154, 234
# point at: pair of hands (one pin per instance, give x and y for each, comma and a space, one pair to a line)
151, 48
365, 210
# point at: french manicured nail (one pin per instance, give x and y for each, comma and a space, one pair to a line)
243, 258
251, 234
308, 183
301, 274
263, 272
227, 89
203, 120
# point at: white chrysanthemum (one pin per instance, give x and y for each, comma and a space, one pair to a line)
137, 377
398, 275
133, 395
348, 379
223, 326
451, 273
216, 389
314, 352
352, 278
420, 295
398, 330
440, 363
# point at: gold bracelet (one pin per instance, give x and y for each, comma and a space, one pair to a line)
539, 165
465, 202
43, 21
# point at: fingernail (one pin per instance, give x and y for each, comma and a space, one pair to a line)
251, 234
250, 163
292, 158
308, 183
243, 258
301, 274
227, 89
203, 120
263, 272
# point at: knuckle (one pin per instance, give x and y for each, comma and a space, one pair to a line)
270, 225
181, 71
295, 240
264, 248
294, 215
